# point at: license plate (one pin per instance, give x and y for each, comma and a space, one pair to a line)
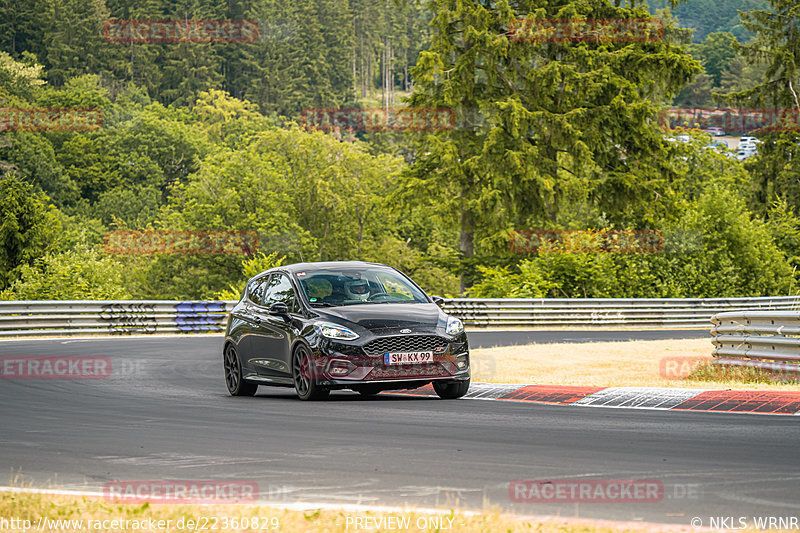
405, 358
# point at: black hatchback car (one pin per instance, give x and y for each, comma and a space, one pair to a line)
342, 325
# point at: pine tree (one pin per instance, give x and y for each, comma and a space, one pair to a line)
776, 171
191, 67
271, 72
73, 44
22, 28
133, 61
337, 35
777, 44
538, 122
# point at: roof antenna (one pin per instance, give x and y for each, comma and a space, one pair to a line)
301, 256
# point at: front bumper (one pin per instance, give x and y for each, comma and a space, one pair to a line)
345, 364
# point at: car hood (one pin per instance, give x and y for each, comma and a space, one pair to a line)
390, 316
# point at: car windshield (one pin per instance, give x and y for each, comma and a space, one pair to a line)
351, 286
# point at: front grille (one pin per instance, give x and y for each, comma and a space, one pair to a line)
404, 343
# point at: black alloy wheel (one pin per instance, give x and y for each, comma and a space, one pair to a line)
303, 372
237, 386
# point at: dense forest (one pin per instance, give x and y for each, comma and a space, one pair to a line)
306, 53
712, 16
545, 134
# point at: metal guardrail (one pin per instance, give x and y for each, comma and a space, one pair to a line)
768, 340
661, 312
18, 318
76, 317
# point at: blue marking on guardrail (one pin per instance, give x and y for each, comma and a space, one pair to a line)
199, 316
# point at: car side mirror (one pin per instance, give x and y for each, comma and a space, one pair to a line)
279, 308
438, 300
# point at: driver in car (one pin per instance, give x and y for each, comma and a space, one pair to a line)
357, 290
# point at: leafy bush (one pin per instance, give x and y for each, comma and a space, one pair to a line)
250, 267
716, 249
27, 226
419, 266
79, 274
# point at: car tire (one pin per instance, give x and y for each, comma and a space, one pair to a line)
237, 386
450, 390
305, 385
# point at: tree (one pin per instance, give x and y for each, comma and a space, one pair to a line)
152, 146
698, 93
741, 75
19, 80
134, 207
776, 170
73, 38
267, 72
777, 43
27, 226
32, 156
22, 29
134, 62
251, 266
303, 58
558, 118
239, 190
716, 53
89, 165
86, 90
228, 121
337, 189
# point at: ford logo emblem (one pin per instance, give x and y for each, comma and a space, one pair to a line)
405, 331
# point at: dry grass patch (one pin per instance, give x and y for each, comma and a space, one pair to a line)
658, 363
178, 518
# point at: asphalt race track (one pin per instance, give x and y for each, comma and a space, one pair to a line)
164, 413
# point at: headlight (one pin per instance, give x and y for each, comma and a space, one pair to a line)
334, 331
454, 326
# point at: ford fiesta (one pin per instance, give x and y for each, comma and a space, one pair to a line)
342, 325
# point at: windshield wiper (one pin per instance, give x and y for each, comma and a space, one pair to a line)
322, 304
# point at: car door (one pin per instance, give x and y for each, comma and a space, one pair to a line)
272, 341
248, 320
